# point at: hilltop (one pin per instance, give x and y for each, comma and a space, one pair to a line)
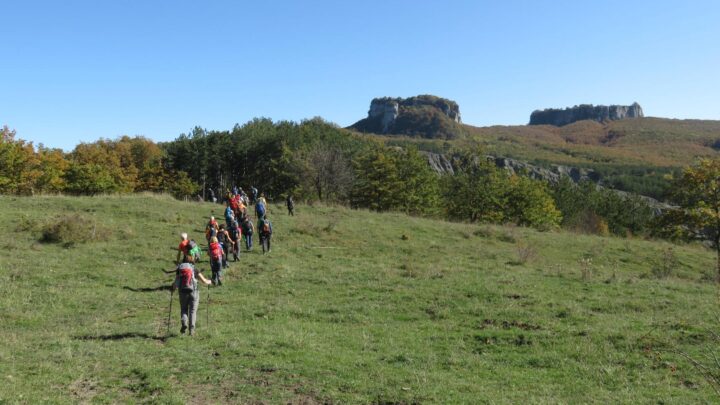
632, 154
626, 150
600, 113
422, 116
350, 307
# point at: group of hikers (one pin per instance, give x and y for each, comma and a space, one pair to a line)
222, 241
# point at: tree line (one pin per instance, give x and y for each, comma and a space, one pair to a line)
315, 160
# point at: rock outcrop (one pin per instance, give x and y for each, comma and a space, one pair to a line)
560, 117
443, 164
424, 116
384, 110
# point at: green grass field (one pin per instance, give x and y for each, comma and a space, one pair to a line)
350, 307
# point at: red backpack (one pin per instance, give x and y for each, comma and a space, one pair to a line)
186, 277
216, 251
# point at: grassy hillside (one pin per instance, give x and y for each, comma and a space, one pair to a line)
632, 155
642, 141
350, 307
657, 142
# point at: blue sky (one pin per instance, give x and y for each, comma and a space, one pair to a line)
76, 71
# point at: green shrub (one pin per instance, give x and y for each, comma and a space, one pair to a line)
70, 230
666, 264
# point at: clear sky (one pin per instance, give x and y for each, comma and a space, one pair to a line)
77, 71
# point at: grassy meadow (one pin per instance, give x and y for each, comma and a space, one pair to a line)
349, 307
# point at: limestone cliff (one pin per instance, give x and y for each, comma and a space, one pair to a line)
444, 164
421, 116
560, 117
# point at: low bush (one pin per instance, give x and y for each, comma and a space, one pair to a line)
69, 230
666, 264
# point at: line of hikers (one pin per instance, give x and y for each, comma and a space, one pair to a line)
222, 240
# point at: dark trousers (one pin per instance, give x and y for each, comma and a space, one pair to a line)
236, 249
225, 254
216, 268
265, 242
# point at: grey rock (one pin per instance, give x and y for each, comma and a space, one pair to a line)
600, 113
384, 111
442, 164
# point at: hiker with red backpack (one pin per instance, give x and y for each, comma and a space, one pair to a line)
216, 259
186, 276
265, 230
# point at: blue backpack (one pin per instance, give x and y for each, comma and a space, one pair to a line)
260, 210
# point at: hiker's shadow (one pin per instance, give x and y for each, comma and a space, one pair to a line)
148, 289
120, 336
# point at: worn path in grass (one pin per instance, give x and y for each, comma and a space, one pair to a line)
350, 307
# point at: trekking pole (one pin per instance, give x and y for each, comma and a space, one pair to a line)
172, 290
207, 313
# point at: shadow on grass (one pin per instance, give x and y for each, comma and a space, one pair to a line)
121, 336
148, 289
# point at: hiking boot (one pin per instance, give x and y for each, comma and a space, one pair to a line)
183, 329
192, 332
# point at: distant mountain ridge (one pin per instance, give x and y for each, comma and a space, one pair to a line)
600, 113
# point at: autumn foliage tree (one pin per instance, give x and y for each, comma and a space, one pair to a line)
122, 165
697, 192
18, 164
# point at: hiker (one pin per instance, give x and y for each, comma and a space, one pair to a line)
261, 199
212, 195
290, 205
211, 228
260, 208
186, 276
225, 241
183, 248
187, 248
265, 230
239, 206
253, 194
235, 190
247, 230
235, 236
244, 197
232, 202
229, 215
194, 250
216, 257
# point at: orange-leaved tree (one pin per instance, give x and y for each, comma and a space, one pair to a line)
697, 192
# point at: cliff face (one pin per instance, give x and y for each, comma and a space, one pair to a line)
423, 116
443, 164
559, 117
